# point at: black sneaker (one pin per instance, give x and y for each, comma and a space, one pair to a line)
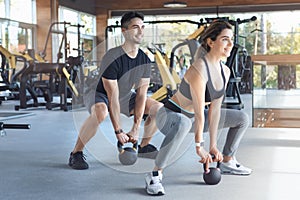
148, 151
77, 161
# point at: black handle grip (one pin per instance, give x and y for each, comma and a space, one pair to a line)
17, 126
120, 146
14, 126
213, 157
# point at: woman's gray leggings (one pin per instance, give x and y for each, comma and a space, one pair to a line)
175, 126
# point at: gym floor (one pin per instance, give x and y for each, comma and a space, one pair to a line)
33, 163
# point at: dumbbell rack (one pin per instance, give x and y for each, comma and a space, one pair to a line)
4, 126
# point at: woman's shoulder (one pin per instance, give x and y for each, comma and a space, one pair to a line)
226, 69
197, 69
199, 65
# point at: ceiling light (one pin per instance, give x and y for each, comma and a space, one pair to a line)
175, 4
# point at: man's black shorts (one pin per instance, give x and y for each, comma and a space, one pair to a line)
126, 103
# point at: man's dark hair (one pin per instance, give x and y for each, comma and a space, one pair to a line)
126, 17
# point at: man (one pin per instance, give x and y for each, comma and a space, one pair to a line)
123, 68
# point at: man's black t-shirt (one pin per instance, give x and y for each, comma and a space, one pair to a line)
117, 65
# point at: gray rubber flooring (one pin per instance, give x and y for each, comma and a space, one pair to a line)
33, 164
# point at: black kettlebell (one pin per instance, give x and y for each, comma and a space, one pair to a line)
213, 177
128, 155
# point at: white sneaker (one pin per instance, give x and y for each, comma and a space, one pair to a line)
153, 183
234, 167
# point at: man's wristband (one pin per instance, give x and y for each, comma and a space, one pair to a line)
118, 131
199, 144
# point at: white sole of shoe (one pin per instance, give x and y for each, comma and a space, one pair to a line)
235, 173
154, 194
160, 193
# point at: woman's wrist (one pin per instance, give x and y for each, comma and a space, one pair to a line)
199, 144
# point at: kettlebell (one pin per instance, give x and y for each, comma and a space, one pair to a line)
213, 176
127, 155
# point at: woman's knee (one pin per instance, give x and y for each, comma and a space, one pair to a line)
244, 118
185, 126
180, 129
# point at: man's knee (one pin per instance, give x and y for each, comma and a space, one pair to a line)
100, 110
152, 106
151, 110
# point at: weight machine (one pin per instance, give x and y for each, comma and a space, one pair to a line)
9, 73
233, 88
61, 75
47, 87
170, 79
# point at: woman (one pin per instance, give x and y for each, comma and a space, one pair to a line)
203, 86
